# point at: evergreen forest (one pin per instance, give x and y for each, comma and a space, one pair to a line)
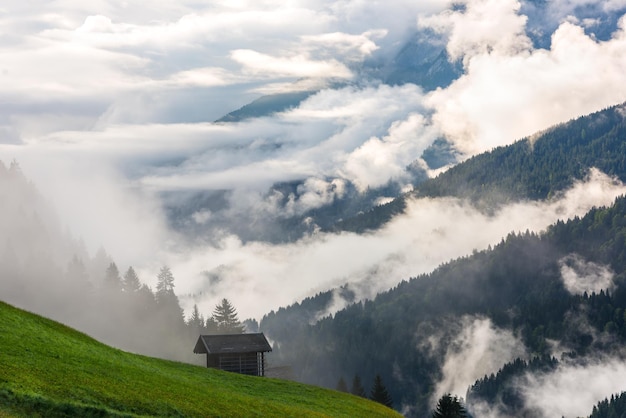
535, 168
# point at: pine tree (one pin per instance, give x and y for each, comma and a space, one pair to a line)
196, 321
357, 387
211, 326
167, 301
226, 317
449, 407
379, 393
146, 302
131, 283
342, 386
112, 278
165, 283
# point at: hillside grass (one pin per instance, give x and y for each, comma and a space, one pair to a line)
50, 370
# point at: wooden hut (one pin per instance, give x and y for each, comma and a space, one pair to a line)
239, 353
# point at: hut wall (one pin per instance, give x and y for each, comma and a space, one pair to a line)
244, 363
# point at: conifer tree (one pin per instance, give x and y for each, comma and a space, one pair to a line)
112, 278
357, 387
131, 283
165, 283
167, 301
211, 326
196, 321
379, 392
146, 301
342, 386
225, 315
449, 407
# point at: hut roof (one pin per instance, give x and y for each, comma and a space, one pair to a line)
232, 343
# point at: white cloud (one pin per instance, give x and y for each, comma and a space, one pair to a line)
378, 161
257, 277
573, 390
483, 26
505, 97
323, 138
315, 193
480, 349
561, 8
580, 276
613, 5
351, 47
99, 206
292, 66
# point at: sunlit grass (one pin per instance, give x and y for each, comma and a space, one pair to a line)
47, 369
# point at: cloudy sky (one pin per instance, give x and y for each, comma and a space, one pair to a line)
106, 103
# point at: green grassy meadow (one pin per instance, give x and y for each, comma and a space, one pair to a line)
50, 370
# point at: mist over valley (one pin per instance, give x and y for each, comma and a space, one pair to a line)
428, 194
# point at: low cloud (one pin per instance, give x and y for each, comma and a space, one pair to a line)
480, 349
380, 160
101, 208
258, 277
572, 390
322, 138
481, 27
580, 276
293, 66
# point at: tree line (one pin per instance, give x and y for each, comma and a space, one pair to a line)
517, 285
43, 268
530, 169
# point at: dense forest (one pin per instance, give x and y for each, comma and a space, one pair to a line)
533, 168
518, 285
615, 407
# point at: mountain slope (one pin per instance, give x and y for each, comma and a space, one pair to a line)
267, 105
518, 287
47, 369
533, 168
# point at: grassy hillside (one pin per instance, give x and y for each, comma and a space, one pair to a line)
49, 370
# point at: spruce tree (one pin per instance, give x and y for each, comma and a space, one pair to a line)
357, 387
112, 278
449, 407
131, 283
167, 301
379, 392
225, 315
196, 321
165, 283
211, 326
342, 386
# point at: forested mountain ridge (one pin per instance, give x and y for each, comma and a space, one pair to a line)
533, 168
267, 105
517, 287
